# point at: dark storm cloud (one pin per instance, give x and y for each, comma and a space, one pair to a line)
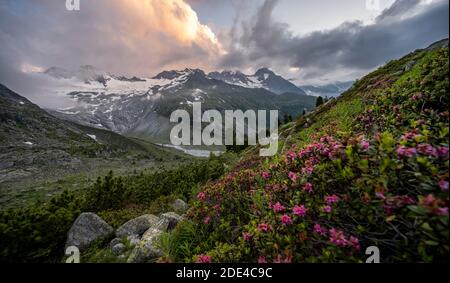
403, 27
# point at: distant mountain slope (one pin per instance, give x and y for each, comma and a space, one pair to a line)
33, 141
24, 123
263, 78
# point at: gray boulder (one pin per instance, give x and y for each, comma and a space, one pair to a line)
179, 205
137, 226
114, 242
168, 221
147, 249
134, 240
118, 249
87, 228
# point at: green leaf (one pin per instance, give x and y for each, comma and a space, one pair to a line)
417, 209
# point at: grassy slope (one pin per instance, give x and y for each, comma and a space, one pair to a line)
376, 160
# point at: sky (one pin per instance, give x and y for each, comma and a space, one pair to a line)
306, 41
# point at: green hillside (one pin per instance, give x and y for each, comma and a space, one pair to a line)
367, 169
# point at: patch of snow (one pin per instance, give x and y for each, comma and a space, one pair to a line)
94, 137
69, 112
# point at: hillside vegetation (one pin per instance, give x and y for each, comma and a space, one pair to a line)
367, 169
38, 232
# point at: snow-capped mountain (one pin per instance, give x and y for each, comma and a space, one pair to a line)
263, 78
142, 106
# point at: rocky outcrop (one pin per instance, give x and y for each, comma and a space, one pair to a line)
147, 249
179, 205
137, 226
118, 249
87, 228
134, 240
168, 221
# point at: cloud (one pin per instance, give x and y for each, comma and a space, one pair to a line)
344, 52
132, 37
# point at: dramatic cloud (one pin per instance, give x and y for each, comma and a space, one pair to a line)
345, 52
132, 37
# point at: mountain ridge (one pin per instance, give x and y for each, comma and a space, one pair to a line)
141, 107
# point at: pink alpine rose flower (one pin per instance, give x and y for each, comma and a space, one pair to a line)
247, 236
443, 151
291, 155
286, 220
443, 185
337, 237
331, 199
201, 196
403, 151
442, 211
278, 207
319, 230
262, 259
293, 176
265, 175
308, 187
263, 227
355, 243
204, 259
327, 209
300, 210
365, 145
427, 149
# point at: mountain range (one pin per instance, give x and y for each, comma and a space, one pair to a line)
141, 107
